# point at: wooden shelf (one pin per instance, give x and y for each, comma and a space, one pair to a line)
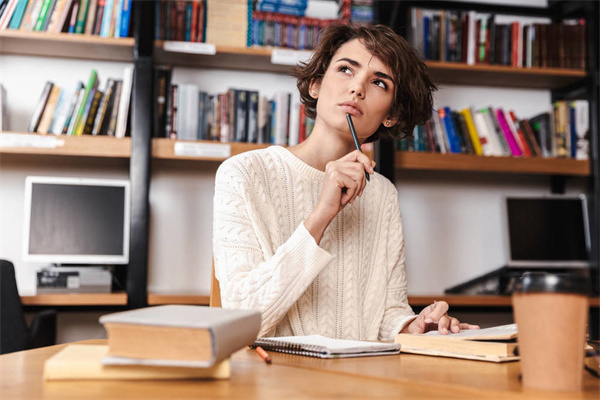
66, 45
177, 298
473, 301
464, 162
80, 146
247, 59
259, 59
76, 299
163, 148
503, 76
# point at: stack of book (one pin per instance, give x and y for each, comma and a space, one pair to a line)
87, 111
165, 342
564, 132
106, 18
476, 38
185, 112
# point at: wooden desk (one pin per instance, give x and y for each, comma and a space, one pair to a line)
405, 376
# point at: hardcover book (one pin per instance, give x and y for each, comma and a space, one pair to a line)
496, 344
84, 361
192, 336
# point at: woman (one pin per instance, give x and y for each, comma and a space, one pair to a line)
299, 234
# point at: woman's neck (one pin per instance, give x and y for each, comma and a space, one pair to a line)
322, 146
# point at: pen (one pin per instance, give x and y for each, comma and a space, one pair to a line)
353, 131
263, 354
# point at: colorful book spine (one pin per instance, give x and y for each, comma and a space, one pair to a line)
82, 16
125, 18
108, 11
79, 122
477, 148
453, 140
42, 16
512, 143
15, 21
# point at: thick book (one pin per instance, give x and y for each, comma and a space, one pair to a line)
179, 335
39, 109
84, 362
324, 347
496, 344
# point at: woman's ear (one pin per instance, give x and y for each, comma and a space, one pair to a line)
313, 89
389, 122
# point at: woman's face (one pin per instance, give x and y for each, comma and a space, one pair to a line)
356, 83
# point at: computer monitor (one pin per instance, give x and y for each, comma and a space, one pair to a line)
548, 231
76, 220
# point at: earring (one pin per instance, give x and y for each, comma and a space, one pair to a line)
313, 93
387, 123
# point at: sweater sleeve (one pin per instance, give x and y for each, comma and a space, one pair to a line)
249, 277
397, 311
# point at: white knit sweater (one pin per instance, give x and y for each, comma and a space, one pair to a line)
351, 286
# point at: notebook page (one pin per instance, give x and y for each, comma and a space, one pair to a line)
493, 333
337, 346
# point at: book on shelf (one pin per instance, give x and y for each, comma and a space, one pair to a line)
178, 335
60, 111
84, 362
73, 16
562, 132
487, 38
495, 344
324, 347
186, 112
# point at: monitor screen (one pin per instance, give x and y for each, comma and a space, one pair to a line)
76, 220
550, 231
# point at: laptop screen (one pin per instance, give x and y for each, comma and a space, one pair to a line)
550, 231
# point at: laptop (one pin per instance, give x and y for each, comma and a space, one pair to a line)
548, 232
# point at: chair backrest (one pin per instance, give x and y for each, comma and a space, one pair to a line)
14, 334
215, 289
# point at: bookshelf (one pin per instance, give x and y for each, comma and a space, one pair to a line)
259, 59
60, 146
76, 299
65, 45
406, 160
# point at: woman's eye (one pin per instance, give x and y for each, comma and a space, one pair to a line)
381, 84
345, 69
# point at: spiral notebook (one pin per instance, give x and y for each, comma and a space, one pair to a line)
324, 347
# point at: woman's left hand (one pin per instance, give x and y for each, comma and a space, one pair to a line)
435, 317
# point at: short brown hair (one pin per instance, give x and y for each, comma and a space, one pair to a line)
413, 88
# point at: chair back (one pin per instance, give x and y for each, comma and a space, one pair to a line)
14, 333
215, 289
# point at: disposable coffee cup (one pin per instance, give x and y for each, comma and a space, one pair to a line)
551, 312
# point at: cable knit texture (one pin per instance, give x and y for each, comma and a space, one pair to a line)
351, 286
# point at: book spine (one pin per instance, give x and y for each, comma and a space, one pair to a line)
512, 143
115, 28
39, 109
112, 121
17, 17
99, 17
93, 110
42, 16
252, 111
125, 19
124, 103
73, 20
8, 13
56, 17
81, 16
70, 114
65, 104
453, 140
106, 17
477, 144
91, 15
49, 110
513, 123
113, 18
103, 108
48, 15
79, 120
73, 116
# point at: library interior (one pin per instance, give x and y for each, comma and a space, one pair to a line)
116, 117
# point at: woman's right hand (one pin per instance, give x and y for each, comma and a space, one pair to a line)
344, 181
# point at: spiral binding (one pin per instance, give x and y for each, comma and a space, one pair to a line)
291, 348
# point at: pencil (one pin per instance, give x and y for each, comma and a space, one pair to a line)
263, 354
353, 132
